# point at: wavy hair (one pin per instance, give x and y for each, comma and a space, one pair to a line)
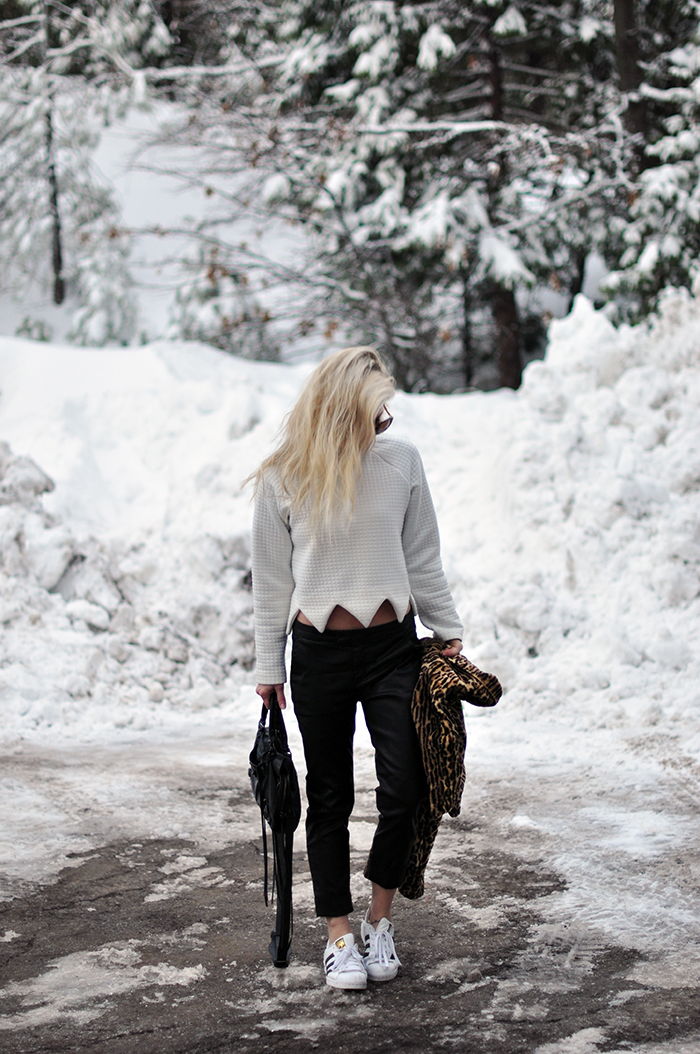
328, 431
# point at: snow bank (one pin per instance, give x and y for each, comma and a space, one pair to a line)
569, 514
592, 605
125, 592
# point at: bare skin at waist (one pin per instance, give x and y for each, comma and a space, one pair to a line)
340, 618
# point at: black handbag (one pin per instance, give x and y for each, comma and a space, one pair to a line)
275, 785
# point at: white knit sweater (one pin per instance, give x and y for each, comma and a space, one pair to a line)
389, 550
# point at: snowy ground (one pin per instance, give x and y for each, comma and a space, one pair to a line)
571, 538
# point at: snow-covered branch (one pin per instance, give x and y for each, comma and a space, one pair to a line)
23, 48
154, 75
453, 127
677, 96
25, 20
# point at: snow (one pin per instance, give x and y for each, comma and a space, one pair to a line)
434, 43
569, 516
511, 23
430, 222
381, 56
589, 28
125, 528
501, 262
75, 980
151, 280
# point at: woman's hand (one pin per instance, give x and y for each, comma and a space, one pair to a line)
453, 648
266, 690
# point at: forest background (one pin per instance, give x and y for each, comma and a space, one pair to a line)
451, 173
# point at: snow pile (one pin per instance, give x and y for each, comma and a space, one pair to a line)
92, 633
594, 601
125, 593
569, 514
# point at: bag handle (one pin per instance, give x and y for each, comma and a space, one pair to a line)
274, 711
276, 720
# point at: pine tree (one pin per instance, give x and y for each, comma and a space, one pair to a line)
59, 225
448, 163
659, 235
465, 153
427, 150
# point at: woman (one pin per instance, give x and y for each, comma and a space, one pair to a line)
345, 546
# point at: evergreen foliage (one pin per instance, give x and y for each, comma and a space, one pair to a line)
448, 156
59, 224
427, 150
452, 166
660, 234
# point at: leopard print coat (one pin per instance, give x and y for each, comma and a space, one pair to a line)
437, 712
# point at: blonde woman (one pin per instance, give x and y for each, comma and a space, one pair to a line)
345, 549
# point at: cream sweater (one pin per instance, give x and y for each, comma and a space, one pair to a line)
389, 550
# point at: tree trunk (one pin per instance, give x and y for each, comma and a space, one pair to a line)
59, 285
504, 308
467, 343
505, 316
579, 272
628, 68
495, 80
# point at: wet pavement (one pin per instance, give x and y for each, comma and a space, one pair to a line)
142, 944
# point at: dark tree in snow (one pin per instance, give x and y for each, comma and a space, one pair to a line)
452, 166
660, 235
428, 152
628, 64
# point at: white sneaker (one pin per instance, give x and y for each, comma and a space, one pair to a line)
343, 964
381, 961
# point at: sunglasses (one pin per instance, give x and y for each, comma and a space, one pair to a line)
382, 423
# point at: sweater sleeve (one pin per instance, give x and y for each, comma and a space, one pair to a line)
421, 546
273, 585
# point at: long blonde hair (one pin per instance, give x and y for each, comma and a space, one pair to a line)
328, 431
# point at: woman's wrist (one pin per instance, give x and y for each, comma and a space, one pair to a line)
266, 691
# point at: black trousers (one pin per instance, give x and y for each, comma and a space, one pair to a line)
331, 672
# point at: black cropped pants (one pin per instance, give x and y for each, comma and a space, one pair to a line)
331, 672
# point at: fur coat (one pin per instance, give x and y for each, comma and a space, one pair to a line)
437, 712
